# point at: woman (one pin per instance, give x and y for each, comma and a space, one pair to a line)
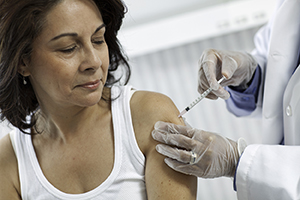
83, 138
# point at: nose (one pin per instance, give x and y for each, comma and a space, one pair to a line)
91, 59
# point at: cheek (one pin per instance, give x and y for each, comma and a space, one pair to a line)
50, 73
105, 63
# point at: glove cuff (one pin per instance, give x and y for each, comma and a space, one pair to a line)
241, 145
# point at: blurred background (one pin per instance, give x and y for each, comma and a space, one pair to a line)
164, 40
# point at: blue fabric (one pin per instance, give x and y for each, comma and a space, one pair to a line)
243, 103
234, 178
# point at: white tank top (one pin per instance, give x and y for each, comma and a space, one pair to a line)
126, 181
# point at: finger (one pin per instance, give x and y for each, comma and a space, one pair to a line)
208, 62
202, 81
182, 167
167, 138
203, 86
186, 137
174, 153
171, 128
177, 140
229, 66
212, 96
186, 122
209, 69
221, 92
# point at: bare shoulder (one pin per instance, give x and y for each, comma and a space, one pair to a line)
9, 184
154, 106
146, 109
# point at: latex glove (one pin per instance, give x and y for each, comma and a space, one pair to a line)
215, 155
237, 67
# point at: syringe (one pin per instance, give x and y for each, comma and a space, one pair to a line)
202, 96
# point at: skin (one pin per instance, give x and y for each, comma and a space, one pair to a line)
161, 181
67, 70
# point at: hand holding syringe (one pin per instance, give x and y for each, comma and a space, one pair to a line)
202, 96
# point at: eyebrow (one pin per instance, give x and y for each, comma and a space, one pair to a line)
99, 28
75, 34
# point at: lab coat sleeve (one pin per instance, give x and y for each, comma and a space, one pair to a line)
257, 168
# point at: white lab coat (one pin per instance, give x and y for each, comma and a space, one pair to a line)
272, 171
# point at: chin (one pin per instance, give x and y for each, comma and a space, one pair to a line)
90, 100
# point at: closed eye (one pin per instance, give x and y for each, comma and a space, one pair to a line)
68, 50
98, 42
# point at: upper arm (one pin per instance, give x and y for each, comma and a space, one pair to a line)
162, 182
9, 184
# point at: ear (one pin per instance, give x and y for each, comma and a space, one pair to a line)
23, 68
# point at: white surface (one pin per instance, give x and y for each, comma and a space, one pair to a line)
143, 11
175, 30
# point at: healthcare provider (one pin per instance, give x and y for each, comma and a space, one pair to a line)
266, 83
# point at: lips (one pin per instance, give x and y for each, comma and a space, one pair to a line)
90, 85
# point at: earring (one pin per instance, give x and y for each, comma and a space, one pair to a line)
24, 81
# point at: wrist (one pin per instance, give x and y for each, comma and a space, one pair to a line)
234, 156
241, 146
238, 149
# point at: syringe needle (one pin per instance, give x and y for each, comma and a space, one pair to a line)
202, 96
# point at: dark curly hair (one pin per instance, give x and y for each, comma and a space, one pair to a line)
21, 21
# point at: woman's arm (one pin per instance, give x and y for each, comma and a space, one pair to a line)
162, 182
9, 181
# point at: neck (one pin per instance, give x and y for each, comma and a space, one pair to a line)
64, 125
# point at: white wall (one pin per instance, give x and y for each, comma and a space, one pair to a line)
192, 26
144, 11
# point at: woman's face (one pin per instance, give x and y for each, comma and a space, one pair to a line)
69, 62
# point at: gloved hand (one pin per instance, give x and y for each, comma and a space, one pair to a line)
237, 67
213, 155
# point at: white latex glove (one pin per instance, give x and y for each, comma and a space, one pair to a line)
215, 155
237, 67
